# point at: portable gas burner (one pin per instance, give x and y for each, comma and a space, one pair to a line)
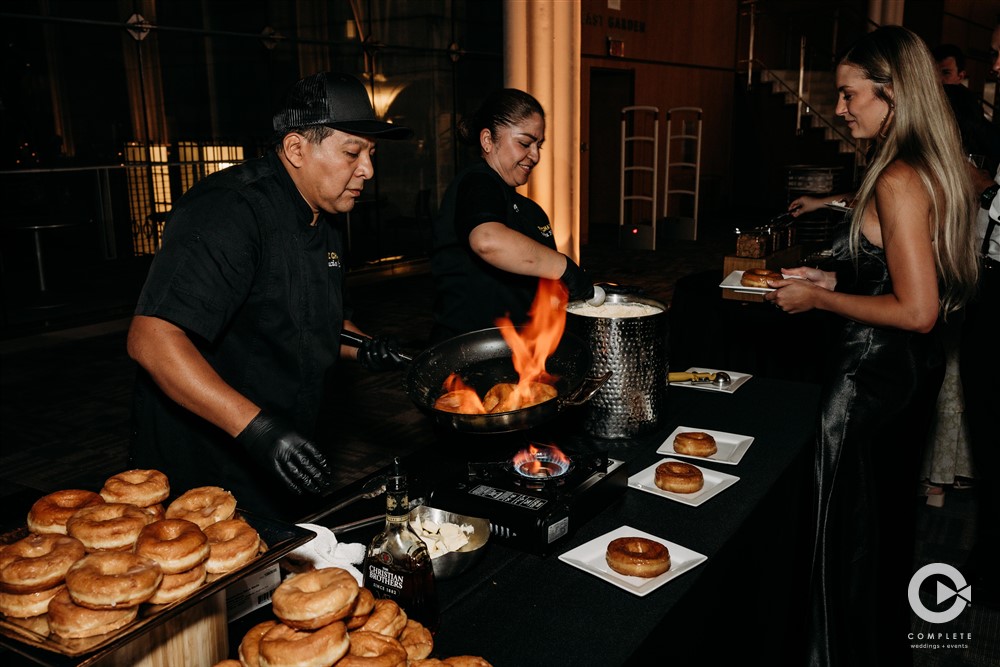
538, 496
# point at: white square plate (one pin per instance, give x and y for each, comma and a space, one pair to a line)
715, 483
731, 446
589, 557
736, 380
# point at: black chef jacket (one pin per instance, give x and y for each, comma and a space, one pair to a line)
260, 292
471, 294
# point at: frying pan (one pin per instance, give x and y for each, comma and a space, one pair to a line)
482, 359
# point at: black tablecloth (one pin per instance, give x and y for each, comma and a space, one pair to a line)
518, 609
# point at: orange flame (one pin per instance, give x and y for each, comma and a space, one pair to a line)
538, 339
530, 346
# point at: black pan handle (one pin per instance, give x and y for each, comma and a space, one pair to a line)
352, 339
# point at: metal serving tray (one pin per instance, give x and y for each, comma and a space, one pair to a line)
25, 636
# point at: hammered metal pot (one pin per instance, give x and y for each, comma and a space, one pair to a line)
633, 401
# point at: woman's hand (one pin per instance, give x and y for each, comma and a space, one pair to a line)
802, 292
807, 204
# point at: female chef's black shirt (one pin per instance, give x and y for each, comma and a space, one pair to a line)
260, 292
471, 294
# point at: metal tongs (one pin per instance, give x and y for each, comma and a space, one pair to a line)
718, 378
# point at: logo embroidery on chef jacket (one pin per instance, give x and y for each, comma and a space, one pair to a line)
332, 260
545, 230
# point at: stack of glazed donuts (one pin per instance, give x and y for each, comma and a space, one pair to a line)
324, 618
91, 559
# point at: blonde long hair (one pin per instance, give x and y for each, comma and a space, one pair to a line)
923, 133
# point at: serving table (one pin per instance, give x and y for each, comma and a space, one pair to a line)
515, 608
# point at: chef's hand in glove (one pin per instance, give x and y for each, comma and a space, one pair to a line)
576, 281
380, 353
287, 455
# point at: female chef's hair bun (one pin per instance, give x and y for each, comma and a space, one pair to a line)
501, 109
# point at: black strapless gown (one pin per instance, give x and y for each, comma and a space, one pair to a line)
877, 401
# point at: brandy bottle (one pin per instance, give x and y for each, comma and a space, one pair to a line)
397, 564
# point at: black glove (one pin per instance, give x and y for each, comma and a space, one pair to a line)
291, 458
380, 353
576, 281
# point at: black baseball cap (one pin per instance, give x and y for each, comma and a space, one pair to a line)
336, 100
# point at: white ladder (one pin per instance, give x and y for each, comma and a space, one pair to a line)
643, 161
687, 155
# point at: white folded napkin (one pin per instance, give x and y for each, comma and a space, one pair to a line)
324, 551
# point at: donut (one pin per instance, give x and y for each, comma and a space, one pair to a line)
203, 505
505, 396
387, 618
49, 513
637, 557
229, 662
71, 621
178, 586
38, 562
313, 599
282, 646
679, 477
176, 545
249, 650
141, 488
232, 544
417, 640
112, 580
362, 609
26, 605
695, 443
107, 527
759, 277
157, 511
371, 649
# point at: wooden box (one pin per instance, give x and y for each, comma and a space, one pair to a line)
787, 258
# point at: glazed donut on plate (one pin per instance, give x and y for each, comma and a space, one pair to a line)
371, 649
50, 513
176, 545
203, 505
71, 621
232, 544
38, 562
313, 599
249, 650
112, 580
679, 477
141, 488
695, 443
759, 277
108, 527
363, 607
387, 618
637, 557
26, 605
417, 640
178, 586
282, 646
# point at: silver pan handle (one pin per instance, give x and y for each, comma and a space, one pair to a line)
586, 390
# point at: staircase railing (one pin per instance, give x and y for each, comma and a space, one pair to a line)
793, 36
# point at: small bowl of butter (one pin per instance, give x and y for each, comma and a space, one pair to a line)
455, 542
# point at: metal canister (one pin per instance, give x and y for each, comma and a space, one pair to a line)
634, 348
